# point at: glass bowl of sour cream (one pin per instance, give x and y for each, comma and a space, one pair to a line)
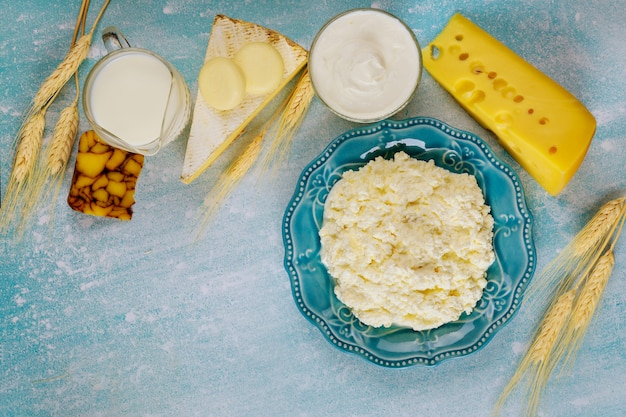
365, 65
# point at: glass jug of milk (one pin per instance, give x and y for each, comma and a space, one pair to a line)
134, 99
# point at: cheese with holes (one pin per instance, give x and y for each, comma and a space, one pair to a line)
213, 130
543, 126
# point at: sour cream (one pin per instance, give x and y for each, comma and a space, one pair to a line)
365, 65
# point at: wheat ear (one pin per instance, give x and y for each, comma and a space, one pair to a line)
28, 149
63, 139
76, 55
29, 146
583, 269
289, 121
577, 257
54, 162
592, 292
59, 77
66, 129
26, 182
536, 364
585, 307
598, 227
551, 327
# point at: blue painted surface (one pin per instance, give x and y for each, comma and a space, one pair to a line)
104, 318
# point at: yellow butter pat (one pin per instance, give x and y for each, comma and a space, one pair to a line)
543, 126
222, 83
262, 66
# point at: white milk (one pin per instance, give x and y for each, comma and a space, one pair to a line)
365, 64
129, 97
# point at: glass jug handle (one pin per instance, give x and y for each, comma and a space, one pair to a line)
114, 39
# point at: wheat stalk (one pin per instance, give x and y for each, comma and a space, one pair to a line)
284, 122
544, 351
229, 180
591, 292
27, 149
66, 129
53, 164
583, 268
63, 137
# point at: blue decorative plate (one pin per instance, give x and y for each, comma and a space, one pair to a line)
458, 151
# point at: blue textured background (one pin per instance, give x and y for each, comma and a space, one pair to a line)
104, 318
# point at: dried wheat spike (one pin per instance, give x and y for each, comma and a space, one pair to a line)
598, 227
63, 139
57, 79
591, 292
291, 117
29, 146
299, 101
551, 327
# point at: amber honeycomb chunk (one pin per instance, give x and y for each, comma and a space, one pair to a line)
104, 179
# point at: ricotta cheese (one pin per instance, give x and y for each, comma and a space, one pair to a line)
407, 242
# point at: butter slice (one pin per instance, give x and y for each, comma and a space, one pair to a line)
544, 127
212, 130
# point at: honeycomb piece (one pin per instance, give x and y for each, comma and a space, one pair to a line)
104, 179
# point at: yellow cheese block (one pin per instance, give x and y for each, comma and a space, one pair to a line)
213, 130
544, 127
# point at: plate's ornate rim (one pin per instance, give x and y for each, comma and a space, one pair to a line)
417, 359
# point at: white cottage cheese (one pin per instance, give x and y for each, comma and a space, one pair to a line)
407, 242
